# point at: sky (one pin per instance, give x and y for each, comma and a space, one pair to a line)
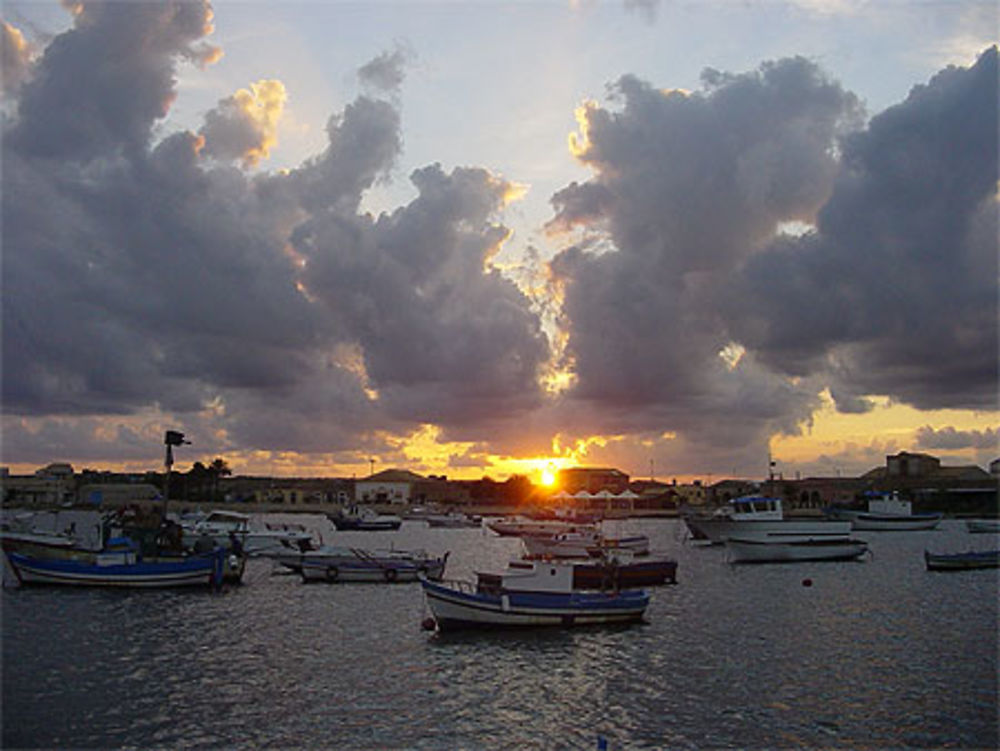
480, 239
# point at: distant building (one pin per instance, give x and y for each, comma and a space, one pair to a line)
402, 487
592, 479
53, 485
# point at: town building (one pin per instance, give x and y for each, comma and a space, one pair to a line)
592, 479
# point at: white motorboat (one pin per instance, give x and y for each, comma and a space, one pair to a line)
762, 550
887, 513
332, 563
759, 515
221, 527
529, 593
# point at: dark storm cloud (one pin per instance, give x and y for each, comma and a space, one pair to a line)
141, 275
896, 291
444, 339
687, 186
101, 85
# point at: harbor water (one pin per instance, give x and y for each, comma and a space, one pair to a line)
877, 653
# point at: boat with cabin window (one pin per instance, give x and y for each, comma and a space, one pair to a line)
584, 543
529, 593
756, 515
886, 513
225, 527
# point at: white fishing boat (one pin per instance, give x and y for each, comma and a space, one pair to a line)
777, 550
331, 563
223, 526
529, 593
759, 515
887, 513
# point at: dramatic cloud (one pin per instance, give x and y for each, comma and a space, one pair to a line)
244, 126
15, 57
895, 293
100, 86
950, 438
150, 273
686, 187
268, 310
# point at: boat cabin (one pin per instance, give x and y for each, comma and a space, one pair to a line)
889, 505
754, 507
527, 576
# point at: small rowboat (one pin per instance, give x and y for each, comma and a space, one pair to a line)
962, 561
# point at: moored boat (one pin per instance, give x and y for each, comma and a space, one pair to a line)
120, 566
982, 526
343, 564
887, 513
519, 526
763, 550
583, 544
623, 571
364, 518
225, 528
962, 561
453, 520
757, 515
529, 593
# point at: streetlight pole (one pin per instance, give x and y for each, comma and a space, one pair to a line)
170, 439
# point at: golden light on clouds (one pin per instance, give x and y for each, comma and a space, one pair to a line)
263, 105
579, 142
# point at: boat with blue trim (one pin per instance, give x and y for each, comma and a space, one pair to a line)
529, 593
120, 564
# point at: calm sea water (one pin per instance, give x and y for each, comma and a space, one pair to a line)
875, 654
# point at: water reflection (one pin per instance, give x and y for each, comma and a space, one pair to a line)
873, 654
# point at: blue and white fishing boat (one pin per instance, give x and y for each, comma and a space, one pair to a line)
529, 593
120, 565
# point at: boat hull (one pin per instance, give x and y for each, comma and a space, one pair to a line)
890, 523
203, 571
374, 572
366, 525
718, 530
983, 526
769, 551
962, 561
458, 608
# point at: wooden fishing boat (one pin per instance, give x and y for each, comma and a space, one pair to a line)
331, 563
